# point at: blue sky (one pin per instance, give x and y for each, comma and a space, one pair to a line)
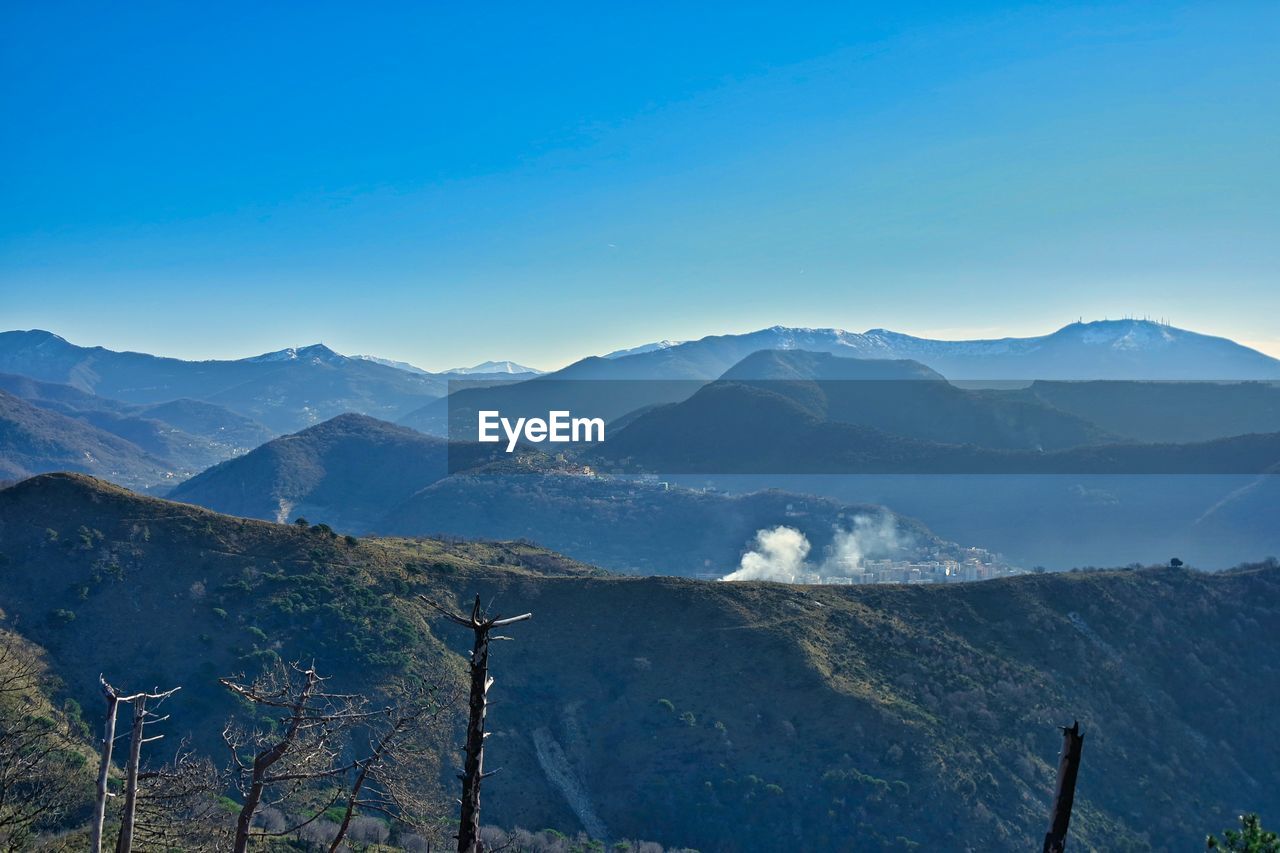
446, 183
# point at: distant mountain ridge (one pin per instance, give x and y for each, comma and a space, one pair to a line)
1104, 349
494, 367
285, 390
187, 435
483, 369
1108, 349
35, 440
656, 345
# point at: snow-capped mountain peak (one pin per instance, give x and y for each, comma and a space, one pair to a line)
1104, 349
317, 353
494, 367
1125, 334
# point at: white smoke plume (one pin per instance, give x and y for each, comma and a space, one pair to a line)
870, 537
781, 553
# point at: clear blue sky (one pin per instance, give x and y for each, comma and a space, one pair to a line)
449, 182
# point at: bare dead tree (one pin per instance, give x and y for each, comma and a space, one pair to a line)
313, 725
104, 766
141, 719
403, 739
1055, 840
473, 772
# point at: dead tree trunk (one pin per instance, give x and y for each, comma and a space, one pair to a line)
125, 842
473, 768
1055, 840
104, 768
141, 719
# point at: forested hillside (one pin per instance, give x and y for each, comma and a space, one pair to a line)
714, 715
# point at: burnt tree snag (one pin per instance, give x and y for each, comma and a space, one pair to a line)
104, 767
141, 719
1055, 840
473, 772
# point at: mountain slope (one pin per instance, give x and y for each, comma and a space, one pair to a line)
1166, 411
755, 428
34, 440
641, 528
746, 717
188, 435
347, 471
907, 399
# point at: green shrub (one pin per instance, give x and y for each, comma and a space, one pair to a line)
1249, 838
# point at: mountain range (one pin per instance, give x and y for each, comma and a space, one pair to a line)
285, 390
111, 414
670, 371
1105, 349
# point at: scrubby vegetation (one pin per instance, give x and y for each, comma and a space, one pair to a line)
717, 716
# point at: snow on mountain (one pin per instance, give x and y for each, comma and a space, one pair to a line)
317, 353
1104, 349
495, 367
398, 365
657, 345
